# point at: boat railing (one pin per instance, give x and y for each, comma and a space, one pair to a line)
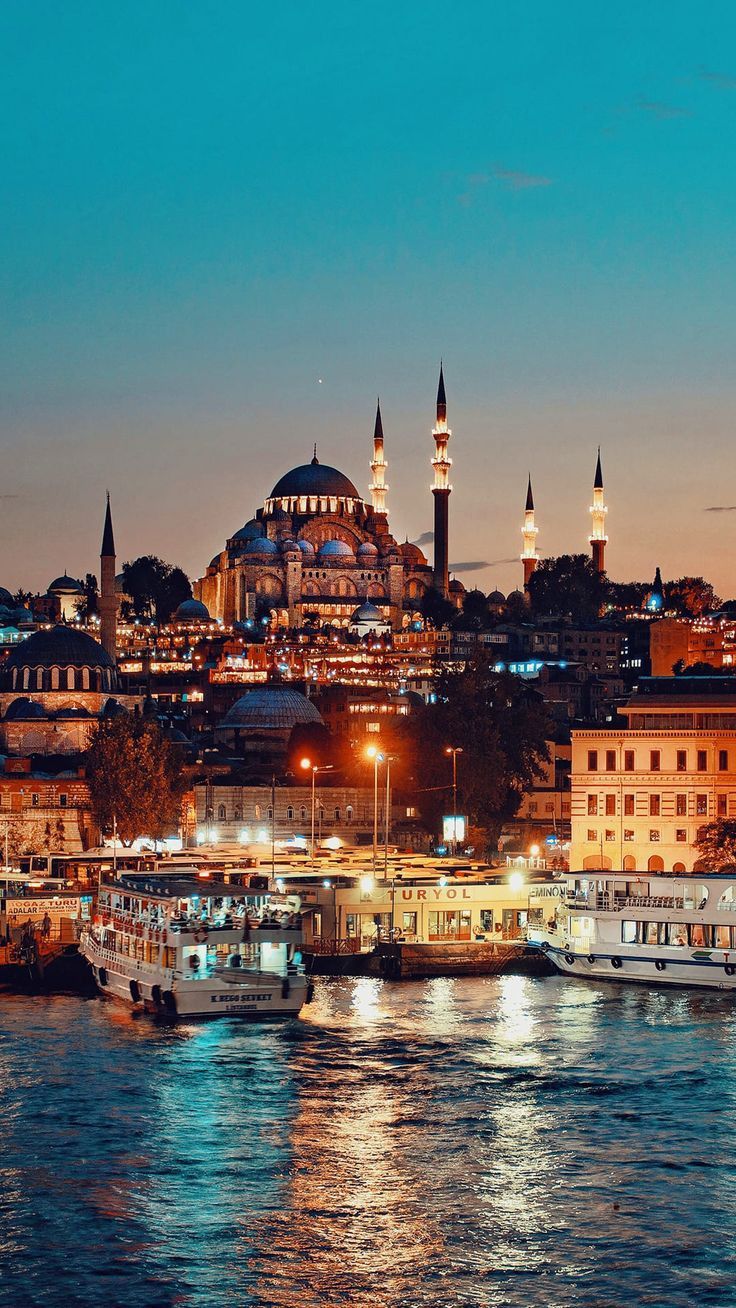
603, 901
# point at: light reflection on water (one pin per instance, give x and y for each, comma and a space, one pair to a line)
505, 1141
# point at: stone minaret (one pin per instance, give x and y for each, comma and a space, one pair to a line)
378, 467
598, 538
441, 491
529, 554
108, 600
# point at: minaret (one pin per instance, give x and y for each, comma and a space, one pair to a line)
108, 600
378, 466
598, 538
441, 491
529, 554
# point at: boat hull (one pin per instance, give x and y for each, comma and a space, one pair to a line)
254, 998
711, 971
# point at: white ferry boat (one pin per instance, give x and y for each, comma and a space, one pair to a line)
193, 949
671, 929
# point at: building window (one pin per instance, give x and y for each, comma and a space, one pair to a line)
628, 760
373, 726
257, 811
610, 805
221, 812
349, 813
610, 835
628, 805
62, 800
681, 836
303, 813
681, 805
702, 760
682, 760
592, 760
34, 800
654, 834
269, 813
723, 760
592, 805
238, 813
610, 760
701, 805
628, 834
592, 835
290, 814
722, 805
337, 815
655, 759
654, 807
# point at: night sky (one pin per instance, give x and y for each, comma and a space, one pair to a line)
207, 208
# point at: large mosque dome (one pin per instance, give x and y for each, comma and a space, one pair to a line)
314, 478
270, 708
59, 659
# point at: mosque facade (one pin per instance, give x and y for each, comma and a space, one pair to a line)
316, 549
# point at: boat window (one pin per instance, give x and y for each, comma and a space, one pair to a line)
699, 935
628, 933
652, 933
676, 933
723, 937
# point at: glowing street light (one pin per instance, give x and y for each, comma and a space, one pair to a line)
454, 750
308, 765
516, 882
377, 757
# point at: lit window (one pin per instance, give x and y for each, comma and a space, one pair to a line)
701, 805
592, 835
628, 834
654, 834
681, 835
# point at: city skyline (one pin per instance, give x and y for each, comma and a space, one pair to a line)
205, 275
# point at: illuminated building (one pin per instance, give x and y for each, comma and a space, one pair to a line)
315, 551
641, 791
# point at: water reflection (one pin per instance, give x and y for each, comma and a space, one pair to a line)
503, 1141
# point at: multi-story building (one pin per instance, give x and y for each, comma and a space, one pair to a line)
642, 790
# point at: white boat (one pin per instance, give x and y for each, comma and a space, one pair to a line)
192, 949
677, 930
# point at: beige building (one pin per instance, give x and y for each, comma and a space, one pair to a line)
641, 792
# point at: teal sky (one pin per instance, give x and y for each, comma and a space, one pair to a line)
206, 208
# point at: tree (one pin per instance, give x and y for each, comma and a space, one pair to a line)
500, 723
435, 609
135, 778
716, 844
568, 584
87, 606
475, 608
691, 596
156, 589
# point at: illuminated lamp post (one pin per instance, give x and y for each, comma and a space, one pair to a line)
454, 750
377, 757
307, 763
390, 758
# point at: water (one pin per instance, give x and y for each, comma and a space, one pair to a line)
507, 1141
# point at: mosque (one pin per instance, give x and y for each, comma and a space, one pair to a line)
316, 548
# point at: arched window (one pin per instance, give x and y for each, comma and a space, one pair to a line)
258, 811
678, 867
349, 813
26, 678
39, 679
54, 678
655, 864
337, 815
238, 813
70, 678
85, 678
303, 813
290, 814
629, 863
269, 814
221, 812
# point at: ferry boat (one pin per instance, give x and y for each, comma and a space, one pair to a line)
677, 930
190, 949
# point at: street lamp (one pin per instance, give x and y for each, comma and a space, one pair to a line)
307, 763
377, 757
390, 758
454, 750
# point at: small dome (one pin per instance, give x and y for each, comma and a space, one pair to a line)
289, 547
250, 531
270, 708
496, 597
335, 549
65, 586
73, 711
367, 550
263, 546
456, 586
24, 710
412, 554
367, 613
192, 610
6, 597
306, 546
